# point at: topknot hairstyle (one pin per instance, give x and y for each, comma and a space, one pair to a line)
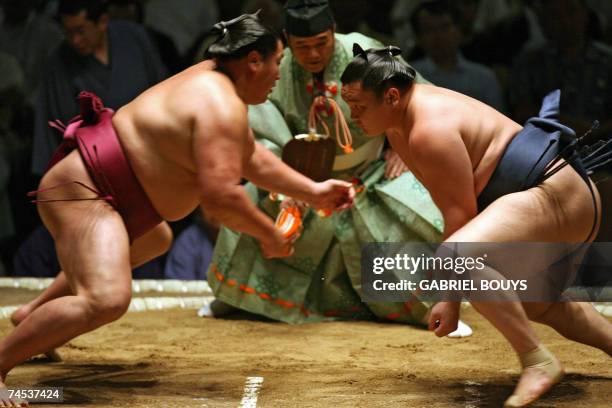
378, 69
234, 39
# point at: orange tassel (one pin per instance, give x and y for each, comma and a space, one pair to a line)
289, 221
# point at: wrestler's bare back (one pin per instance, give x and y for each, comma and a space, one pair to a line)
456, 121
157, 132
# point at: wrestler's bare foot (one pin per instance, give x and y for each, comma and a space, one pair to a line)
536, 379
18, 316
5, 400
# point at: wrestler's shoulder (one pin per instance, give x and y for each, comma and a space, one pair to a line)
210, 88
425, 132
210, 81
436, 117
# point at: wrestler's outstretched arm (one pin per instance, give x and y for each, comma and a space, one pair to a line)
270, 173
444, 167
220, 145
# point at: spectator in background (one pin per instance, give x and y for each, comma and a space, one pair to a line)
11, 98
570, 61
36, 257
603, 9
499, 44
476, 16
353, 16
30, 38
438, 34
115, 60
227, 8
378, 18
271, 12
133, 10
184, 21
11, 95
192, 250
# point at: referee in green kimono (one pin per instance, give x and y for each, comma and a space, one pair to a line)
322, 280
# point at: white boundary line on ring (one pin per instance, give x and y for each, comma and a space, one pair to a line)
146, 304
138, 285
473, 394
251, 391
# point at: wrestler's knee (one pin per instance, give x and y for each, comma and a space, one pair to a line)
108, 304
20, 314
537, 311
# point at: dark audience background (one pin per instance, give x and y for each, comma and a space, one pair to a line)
521, 41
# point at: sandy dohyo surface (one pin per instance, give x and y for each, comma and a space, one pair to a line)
176, 359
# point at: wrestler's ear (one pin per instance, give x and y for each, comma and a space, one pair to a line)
392, 96
254, 60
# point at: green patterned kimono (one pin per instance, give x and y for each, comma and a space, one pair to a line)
322, 280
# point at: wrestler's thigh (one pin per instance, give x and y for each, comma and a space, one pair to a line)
533, 215
93, 249
90, 237
151, 245
530, 216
